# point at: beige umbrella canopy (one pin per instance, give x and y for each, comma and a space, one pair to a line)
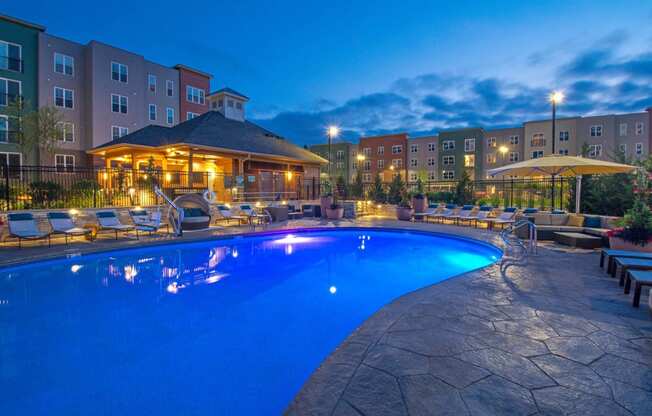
558, 165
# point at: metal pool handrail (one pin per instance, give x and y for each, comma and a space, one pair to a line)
531, 246
174, 220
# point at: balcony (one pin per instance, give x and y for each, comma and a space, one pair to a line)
11, 64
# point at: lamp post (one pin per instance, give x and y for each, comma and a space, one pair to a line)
332, 131
503, 151
555, 98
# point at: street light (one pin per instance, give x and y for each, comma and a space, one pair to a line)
332, 132
555, 98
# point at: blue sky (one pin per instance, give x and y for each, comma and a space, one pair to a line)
385, 66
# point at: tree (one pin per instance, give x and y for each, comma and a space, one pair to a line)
377, 191
342, 187
463, 191
37, 130
396, 190
357, 189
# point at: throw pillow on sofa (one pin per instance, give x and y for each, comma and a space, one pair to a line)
575, 220
592, 222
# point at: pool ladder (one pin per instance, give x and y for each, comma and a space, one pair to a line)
175, 214
517, 248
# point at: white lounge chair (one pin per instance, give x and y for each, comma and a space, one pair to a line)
447, 212
62, 223
431, 210
505, 218
478, 216
149, 222
228, 215
108, 220
464, 213
23, 227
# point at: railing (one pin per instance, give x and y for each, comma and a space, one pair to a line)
173, 219
511, 240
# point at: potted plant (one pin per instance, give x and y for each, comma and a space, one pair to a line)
635, 233
419, 200
335, 211
326, 198
404, 211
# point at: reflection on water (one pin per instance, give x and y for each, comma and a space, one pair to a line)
126, 332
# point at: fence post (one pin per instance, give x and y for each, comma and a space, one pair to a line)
5, 170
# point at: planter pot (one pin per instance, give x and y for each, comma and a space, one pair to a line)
404, 214
325, 202
616, 243
335, 214
420, 204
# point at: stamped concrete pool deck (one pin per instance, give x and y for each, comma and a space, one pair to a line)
554, 335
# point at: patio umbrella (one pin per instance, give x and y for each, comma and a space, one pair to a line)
565, 166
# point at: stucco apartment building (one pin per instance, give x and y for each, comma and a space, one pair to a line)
341, 163
102, 91
422, 158
385, 155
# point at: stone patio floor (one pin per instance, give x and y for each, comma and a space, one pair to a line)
555, 335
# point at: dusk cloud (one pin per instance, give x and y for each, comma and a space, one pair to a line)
596, 80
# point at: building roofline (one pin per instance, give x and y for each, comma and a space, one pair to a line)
22, 22
196, 71
380, 136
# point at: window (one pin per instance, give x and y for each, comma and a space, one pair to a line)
230, 103
639, 148
118, 131
64, 163
169, 115
151, 82
448, 145
339, 155
431, 161
381, 150
397, 163
622, 148
596, 131
367, 151
11, 56
622, 129
118, 72
491, 142
537, 154
449, 160
195, 95
469, 161
432, 176
63, 97
152, 112
639, 128
538, 140
432, 147
513, 156
448, 175
414, 163
354, 165
67, 132
595, 150
413, 177
366, 177
339, 165
397, 149
491, 159
563, 136
414, 148
169, 88
469, 145
10, 90
190, 115
64, 64
238, 105
367, 165
513, 139
118, 103
380, 163
563, 152
4, 129
11, 160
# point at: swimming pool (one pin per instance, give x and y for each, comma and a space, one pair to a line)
231, 326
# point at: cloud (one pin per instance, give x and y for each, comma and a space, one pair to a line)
596, 80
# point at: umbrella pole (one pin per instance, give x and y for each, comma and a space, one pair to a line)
578, 193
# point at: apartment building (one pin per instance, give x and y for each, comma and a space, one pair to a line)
18, 80
340, 158
102, 91
461, 150
422, 158
385, 155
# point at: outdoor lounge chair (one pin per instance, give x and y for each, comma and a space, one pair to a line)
447, 212
294, 213
147, 222
464, 213
254, 216
482, 214
227, 215
431, 210
23, 227
61, 223
108, 220
506, 217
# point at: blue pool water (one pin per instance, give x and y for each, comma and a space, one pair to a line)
222, 327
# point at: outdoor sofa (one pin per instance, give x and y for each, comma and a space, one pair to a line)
549, 223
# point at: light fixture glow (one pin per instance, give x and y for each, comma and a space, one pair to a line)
557, 97
332, 289
333, 131
503, 149
75, 268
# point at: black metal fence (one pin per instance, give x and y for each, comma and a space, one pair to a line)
38, 187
